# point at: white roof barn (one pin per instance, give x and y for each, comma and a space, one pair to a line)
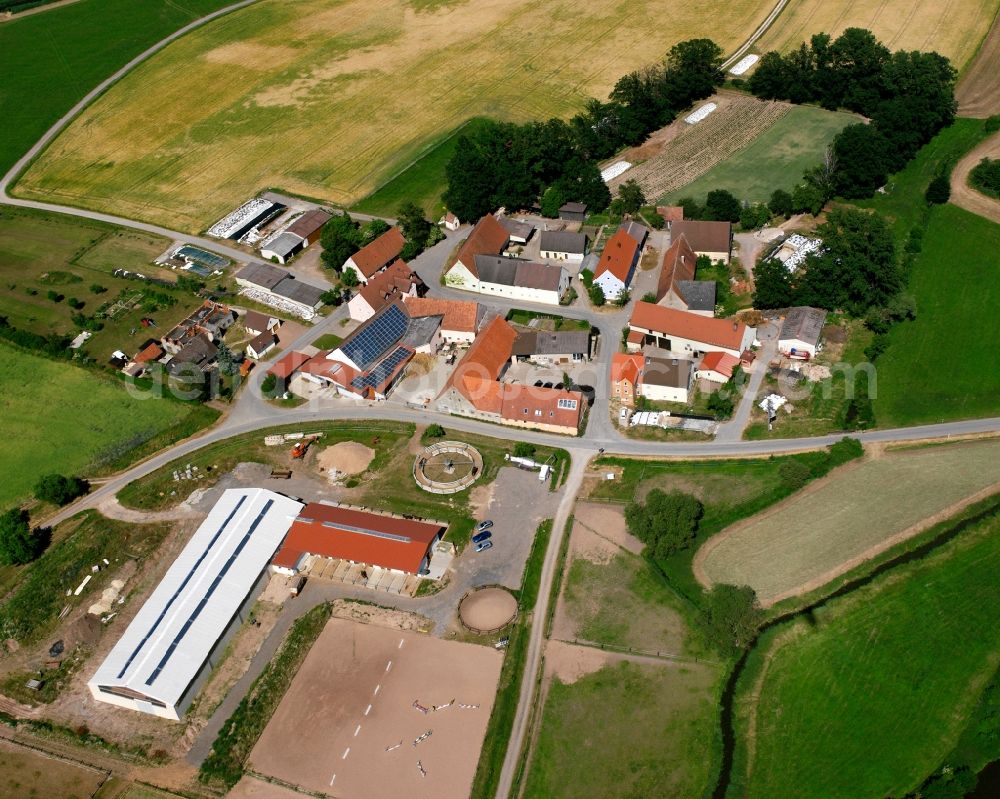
163, 656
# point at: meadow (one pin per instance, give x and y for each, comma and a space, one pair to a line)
816, 535
50, 61
952, 29
76, 259
92, 422
336, 107
955, 297
775, 159
954, 282
628, 729
867, 695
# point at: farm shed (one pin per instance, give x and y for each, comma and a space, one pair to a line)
563, 245
261, 345
282, 247
358, 536
573, 212
309, 226
800, 332
166, 653
277, 287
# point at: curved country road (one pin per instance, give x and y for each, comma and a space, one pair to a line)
963, 194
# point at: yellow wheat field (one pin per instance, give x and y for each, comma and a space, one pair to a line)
954, 28
330, 99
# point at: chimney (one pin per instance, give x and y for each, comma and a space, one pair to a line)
736, 325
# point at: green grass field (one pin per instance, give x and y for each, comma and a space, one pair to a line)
50, 61
868, 696
811, 538
41, 252
422, 182
623, 604
955, 283
337, 107
628, 730
774, 160
50, 409
956, 295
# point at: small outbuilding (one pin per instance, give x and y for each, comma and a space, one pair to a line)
801, 331
573, 212
261, 345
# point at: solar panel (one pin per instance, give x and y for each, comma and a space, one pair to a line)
375, 339
380, 373
208, 594
182, 586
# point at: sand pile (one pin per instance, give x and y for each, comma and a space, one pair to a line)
347, 457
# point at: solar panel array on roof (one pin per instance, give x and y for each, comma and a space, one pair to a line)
373, 340
380, 373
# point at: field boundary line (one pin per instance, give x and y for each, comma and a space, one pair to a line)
284, 784
636, 655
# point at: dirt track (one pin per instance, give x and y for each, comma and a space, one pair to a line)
978, 92
962, 194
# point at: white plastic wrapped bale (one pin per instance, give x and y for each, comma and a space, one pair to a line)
744, 64
700, 114
165, 654
614, 170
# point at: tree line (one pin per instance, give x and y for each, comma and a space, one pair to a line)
908, 96
555, 161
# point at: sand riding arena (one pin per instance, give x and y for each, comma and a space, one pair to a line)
487, 610
447, 467
380, 713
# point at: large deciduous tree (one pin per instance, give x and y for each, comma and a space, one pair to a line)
340, 239
18, 544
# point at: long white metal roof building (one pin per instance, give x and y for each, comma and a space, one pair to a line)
155, 666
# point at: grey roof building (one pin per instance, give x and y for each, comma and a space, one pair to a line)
669, 372
698, 294
563, 241
516, 272
548, 344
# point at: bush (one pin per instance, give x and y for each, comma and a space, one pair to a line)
587, 278
522, 449
794, 474
847, 449
433, 431
596, 294
97, 288
649, 296
60, 490
721, 404
332, 296
55, 296
985, 176
938, 191
268, 386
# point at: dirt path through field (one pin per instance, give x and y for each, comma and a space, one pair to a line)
962, 194
978, 92
9, 17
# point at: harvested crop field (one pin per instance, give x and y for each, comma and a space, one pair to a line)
281, 94
954, 29
978, 92
849, 517
363, 703
695, 149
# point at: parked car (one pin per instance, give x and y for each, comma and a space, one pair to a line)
484, 545
486, 524
483, 536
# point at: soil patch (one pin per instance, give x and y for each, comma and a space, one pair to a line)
347, 457
607, 521
569, 663
978, 92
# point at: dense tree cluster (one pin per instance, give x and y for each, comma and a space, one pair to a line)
908, 96
418, 231
53, 345
665, 523
18, 542
856, 270
553, 162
